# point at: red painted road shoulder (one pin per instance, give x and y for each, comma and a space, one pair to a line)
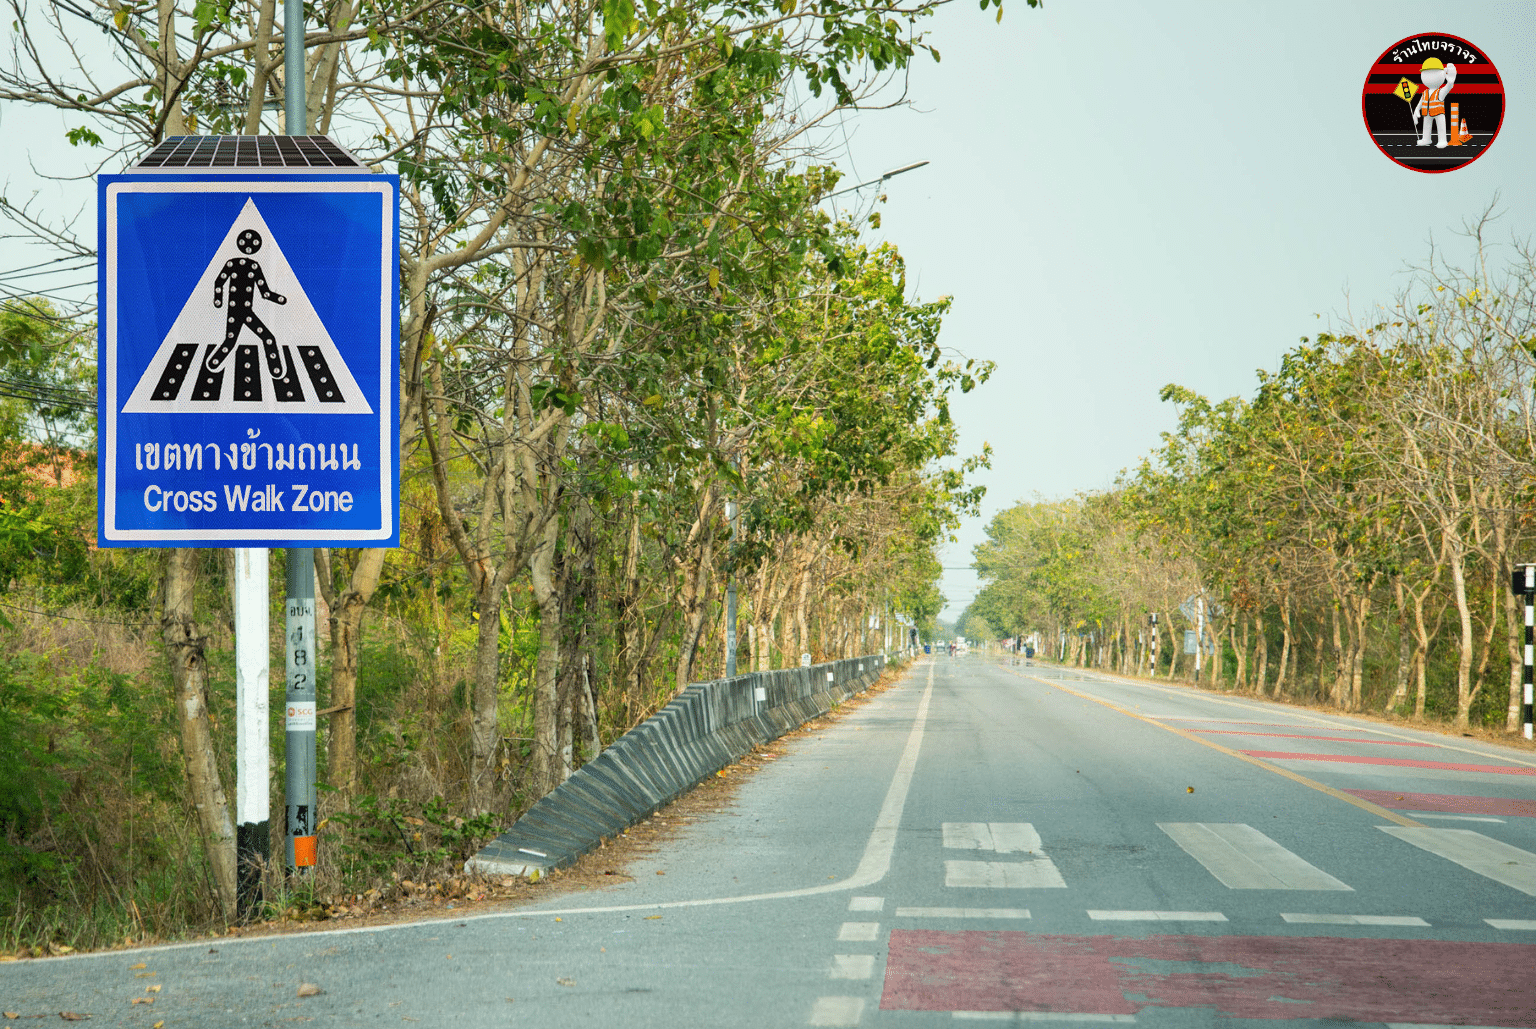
1264, 977
1396, 762
1449, 803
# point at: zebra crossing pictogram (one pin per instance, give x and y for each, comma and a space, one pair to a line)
248, 339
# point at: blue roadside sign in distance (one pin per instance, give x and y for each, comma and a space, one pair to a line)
249, 348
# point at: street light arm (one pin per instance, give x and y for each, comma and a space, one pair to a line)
872, 182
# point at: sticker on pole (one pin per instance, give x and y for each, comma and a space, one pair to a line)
249, 358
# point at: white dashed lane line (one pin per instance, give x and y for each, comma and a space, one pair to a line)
1306, 919
852, 966
962, 912
865, 903
1517, 924
858, 932
837, 1011
1040, 1016
1003, 875
1157, 916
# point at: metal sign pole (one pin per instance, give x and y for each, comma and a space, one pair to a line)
1153, 674
253, 828
299, 756
300, 648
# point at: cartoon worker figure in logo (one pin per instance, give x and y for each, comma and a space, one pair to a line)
1438, 80
244, 278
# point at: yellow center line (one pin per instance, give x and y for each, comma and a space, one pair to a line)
1348, 798
1186, 691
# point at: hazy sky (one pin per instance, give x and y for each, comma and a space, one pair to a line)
1124, 195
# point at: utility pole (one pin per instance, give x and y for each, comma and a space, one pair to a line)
1153, 673
300, 651
1525, 586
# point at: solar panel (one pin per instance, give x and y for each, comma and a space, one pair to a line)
247, 153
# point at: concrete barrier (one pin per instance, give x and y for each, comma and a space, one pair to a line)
704, 728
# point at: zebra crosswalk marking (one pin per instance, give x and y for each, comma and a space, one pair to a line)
1242, 858
1001, 837
1475, 852
1040, 873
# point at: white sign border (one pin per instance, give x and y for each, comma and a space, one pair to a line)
388, 322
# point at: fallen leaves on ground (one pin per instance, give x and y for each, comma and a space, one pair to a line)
309, 990
566, 982
141, 1000
73, 1016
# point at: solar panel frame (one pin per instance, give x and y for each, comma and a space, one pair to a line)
245, 154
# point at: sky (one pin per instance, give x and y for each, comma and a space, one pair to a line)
1125, 195
1122, 195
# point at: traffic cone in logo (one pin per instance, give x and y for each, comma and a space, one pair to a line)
1462, 135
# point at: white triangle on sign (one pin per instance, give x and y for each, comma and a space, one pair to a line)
263, 349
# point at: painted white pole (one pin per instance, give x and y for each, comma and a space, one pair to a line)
252, 755
1199, 634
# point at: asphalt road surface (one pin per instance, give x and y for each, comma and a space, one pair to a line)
980, 844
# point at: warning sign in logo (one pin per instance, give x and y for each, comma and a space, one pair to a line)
1433, 102
248, 340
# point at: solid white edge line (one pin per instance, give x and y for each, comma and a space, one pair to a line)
873, 867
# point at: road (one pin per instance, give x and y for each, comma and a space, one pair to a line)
980, 844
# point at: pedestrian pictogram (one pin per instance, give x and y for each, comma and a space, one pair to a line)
249, 369
248, 339
1449, 102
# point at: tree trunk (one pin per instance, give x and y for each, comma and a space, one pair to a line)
1340, 658
591, 739
485, 713
1514, 620
1362, 615
1285, 645
1240, 646
1464, 693
347, 608
1400, 688
189, 675
546, 771
1261, 673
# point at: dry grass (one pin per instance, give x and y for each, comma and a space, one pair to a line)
447, 897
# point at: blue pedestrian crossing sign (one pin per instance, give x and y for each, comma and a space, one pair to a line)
249, 347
